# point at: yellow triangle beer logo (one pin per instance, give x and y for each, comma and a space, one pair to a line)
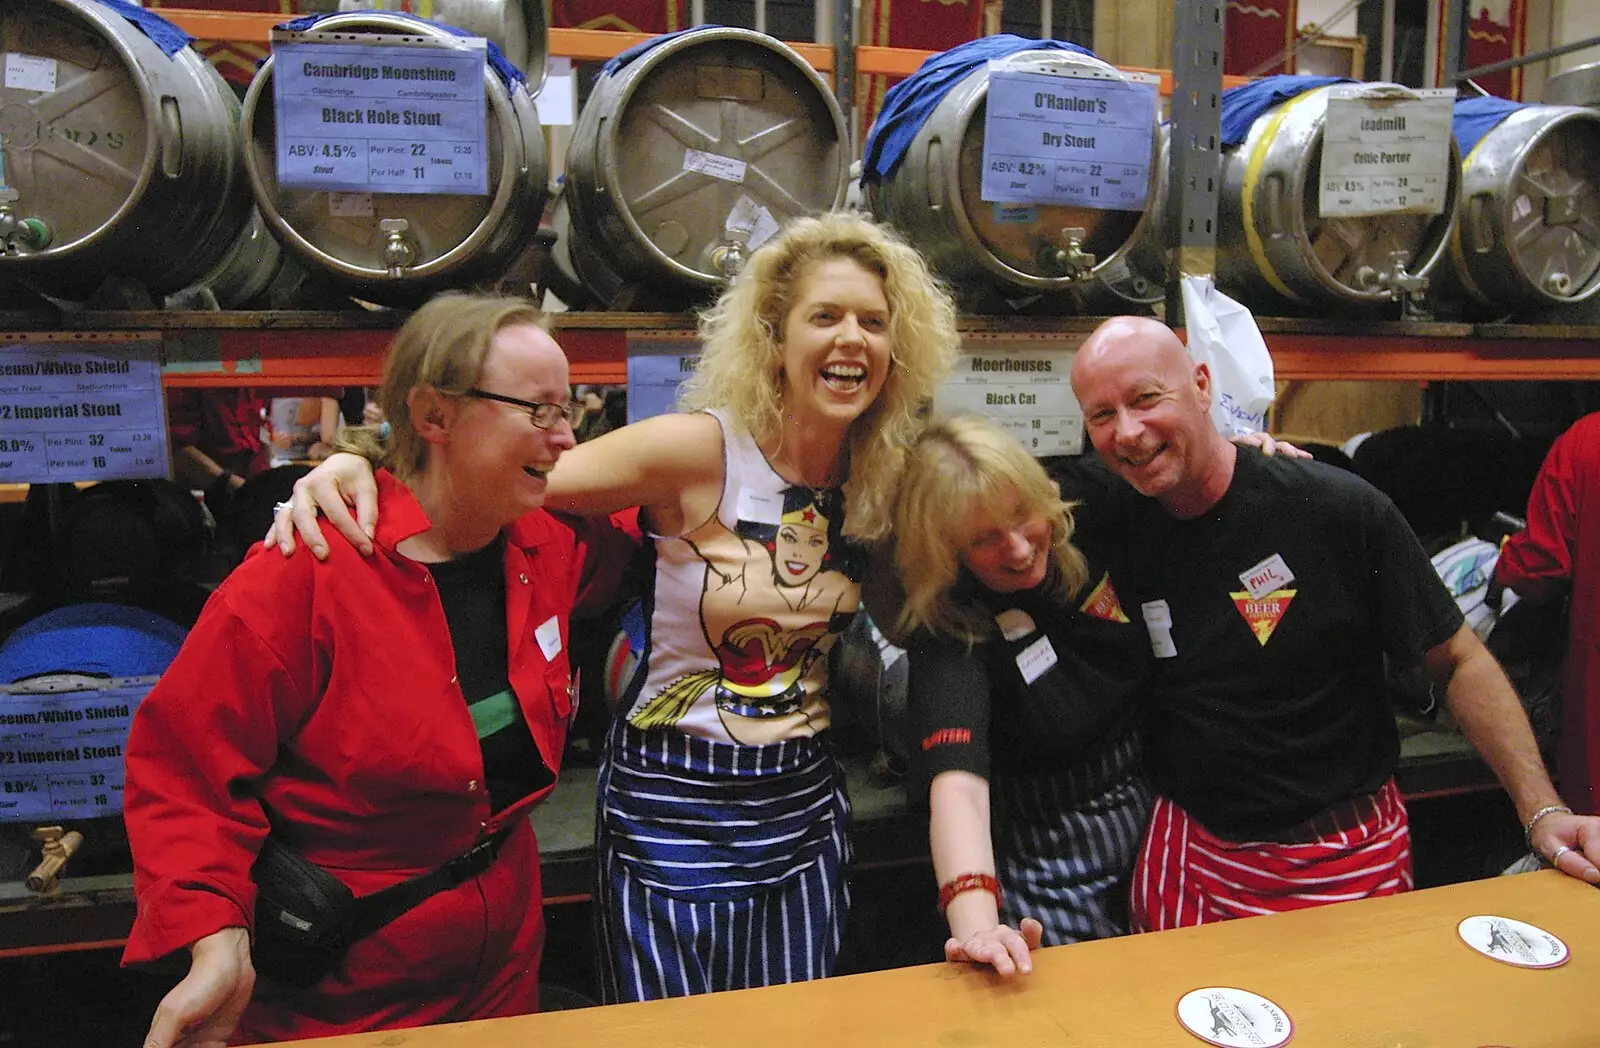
1263, 613
1102, 603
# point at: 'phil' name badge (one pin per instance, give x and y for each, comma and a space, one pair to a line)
1035, 659
1158, 621
1512, 942
548, 634
1231, 1018
1271, 574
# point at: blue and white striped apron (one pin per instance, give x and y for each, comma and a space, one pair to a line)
720, 866
1065, 843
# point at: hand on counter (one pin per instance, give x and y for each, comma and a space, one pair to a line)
1003, 948
1570, 843
202, 1010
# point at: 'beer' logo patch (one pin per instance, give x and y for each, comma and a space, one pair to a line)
1263, 613
1102, 602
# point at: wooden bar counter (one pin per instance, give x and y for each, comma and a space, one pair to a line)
1383, 973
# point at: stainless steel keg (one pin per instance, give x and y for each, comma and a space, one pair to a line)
934, 198
399, 248
517, 27
1528, 235
1578, 86
118, 161
1273, 246
685, 158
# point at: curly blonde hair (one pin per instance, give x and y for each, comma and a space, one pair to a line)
955, 473
443, 345
741, 361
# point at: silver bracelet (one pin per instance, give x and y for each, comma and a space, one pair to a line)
1548, 809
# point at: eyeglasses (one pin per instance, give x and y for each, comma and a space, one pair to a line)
541, 415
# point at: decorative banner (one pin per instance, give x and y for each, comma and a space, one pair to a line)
1258, 32
628, 16
1496, 31
381, 118
1385, 151
1021, 384
82, 411
61, 754
1080, 141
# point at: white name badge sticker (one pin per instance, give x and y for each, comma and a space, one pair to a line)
1267, 576
1158, 622
760, 507
1233, 1018
1513, 942
1035, 659
1015, 624
30, 72
548, 634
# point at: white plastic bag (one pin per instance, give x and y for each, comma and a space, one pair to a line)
1224, 337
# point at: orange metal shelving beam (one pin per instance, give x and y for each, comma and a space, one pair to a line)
594, 44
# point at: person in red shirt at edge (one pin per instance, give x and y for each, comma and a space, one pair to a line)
1550, 559
391, 718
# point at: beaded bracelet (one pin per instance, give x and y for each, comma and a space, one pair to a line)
1548, 809
965, 883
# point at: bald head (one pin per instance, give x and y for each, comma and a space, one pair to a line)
1146, 406
1122, 342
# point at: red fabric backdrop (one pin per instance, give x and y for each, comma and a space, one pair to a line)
929, 25
1256, 32
1496, 31
629, 16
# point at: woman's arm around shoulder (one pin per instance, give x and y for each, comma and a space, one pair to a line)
670, 466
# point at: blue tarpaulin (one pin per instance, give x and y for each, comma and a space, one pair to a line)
166, 36
1243, 104
1476, 117
624, 58
909, 103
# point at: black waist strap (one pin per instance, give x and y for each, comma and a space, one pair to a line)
378, 909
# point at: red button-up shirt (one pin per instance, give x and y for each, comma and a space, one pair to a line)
320, 699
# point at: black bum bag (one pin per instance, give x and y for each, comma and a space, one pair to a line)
306, 919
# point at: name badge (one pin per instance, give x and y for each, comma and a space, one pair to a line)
1158, 622
1015, 623
549, 637
1267, 576
760, 507
1035, 659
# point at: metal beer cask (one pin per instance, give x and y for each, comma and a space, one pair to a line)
129, 168
933, 198
1272, 245
1528, 236
668, 144
406, 246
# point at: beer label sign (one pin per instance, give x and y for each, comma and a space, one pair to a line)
381, 118
1066, 138
81, 411
1020, 384
1385, 150
61, 754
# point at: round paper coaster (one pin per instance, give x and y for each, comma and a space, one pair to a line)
1512, 942
1233, 1018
